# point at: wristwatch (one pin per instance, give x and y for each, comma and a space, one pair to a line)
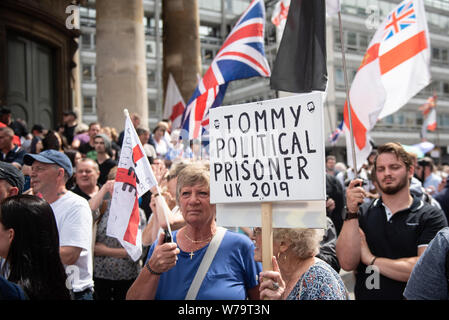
350, 215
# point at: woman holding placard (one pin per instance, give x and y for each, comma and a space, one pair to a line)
298, 274
204, 262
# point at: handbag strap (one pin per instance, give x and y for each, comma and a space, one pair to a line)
205, 264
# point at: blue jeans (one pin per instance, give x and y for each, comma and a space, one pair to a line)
86, 294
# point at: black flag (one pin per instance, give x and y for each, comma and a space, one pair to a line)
300, 64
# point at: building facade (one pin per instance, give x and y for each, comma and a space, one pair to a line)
360, 19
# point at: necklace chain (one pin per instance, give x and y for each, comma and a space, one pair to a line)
198, 241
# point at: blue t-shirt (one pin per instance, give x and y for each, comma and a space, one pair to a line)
232, 272
428, 279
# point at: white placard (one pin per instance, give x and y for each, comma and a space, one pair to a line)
287, 214
268, 151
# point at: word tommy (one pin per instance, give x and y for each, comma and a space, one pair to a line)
258, 153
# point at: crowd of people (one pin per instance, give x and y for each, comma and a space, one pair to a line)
387, 223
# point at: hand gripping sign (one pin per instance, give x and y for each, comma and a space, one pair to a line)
269, 152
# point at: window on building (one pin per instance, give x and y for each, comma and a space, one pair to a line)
151, 76
351, 40
152, 109
86, 41
208, 54
363, 41
337, 38
445, 86
389, 120
88, 105
339, 78
443, 120
88, 72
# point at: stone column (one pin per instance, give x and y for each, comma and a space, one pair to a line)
121, 71
181, 42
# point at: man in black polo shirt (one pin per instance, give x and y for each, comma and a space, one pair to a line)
385, 242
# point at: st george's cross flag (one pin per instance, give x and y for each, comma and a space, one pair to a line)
430, 116
174, 103
395, 67
133, 179
280, 12
241, 56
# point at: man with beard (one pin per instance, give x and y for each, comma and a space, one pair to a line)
382, 240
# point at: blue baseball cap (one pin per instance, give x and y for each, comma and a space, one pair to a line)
50, 156
12, 175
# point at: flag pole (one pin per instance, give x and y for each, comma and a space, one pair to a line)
354, 161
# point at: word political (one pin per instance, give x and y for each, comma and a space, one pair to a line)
265, 149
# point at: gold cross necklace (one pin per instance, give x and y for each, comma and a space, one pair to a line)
195, 242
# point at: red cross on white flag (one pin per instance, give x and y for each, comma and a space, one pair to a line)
134, 178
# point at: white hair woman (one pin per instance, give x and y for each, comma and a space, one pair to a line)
298, 274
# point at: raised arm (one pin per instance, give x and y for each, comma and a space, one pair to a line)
348, 242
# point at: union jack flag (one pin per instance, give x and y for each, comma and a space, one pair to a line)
401, 18
333, 137
241, 56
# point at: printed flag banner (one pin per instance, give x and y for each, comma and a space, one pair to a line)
396, 67
134, 178
430, 116
279, 18
280, 12
300, 64
174, 103
333, 138
241, 56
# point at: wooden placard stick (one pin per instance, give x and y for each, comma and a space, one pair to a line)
267, 236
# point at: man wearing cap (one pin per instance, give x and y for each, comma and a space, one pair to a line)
50, 171
102, 145
11, 181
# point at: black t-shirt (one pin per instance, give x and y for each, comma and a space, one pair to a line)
76, 189
334, 190
398, 237
105, 167
69, 133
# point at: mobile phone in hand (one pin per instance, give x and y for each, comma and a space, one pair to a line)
167, 237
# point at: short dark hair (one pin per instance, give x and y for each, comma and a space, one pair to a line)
396, 149
38, 128
426, 162
4, 111
71, 113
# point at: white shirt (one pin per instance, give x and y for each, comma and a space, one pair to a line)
74, 221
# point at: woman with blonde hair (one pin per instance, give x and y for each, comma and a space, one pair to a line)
204, 261
298, 274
